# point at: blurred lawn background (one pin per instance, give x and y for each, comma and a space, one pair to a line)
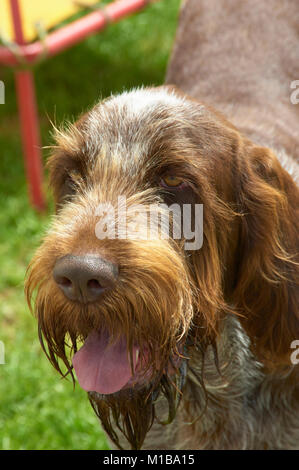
39, 410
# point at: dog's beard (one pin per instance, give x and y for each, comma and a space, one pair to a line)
130, 413
132, 410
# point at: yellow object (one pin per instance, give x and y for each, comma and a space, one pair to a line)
46, 12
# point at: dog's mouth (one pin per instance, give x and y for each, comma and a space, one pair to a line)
108, 368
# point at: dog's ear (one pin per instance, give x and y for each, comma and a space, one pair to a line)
266, 292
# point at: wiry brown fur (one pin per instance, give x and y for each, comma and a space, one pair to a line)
229, 309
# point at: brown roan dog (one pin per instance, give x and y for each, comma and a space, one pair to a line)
184, 345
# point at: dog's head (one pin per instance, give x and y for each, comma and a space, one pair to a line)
167, 220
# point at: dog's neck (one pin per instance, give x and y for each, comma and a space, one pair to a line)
239, 396
234, 409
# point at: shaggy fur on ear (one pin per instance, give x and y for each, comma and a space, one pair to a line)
266, 293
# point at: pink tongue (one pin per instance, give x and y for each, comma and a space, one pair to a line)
102, 368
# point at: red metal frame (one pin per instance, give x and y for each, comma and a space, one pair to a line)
29, 121
55, 42
30, 136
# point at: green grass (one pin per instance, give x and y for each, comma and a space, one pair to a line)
39, 410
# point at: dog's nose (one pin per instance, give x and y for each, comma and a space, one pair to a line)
84, 278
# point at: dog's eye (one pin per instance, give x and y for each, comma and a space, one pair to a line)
171, 181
